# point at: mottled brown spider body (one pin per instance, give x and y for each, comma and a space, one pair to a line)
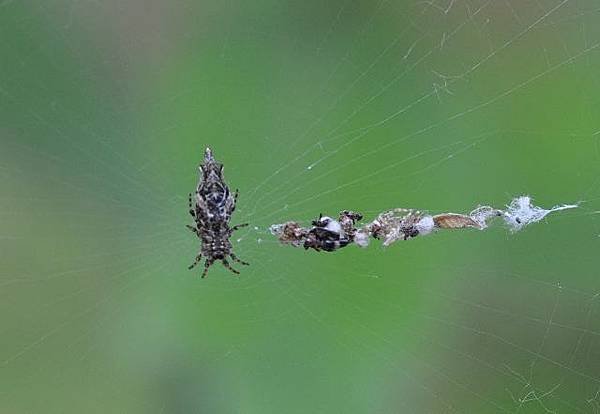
212, 207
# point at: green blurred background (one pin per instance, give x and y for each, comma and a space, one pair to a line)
313, 107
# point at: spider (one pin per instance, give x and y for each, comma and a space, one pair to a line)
211, 208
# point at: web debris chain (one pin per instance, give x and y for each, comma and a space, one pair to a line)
390, 226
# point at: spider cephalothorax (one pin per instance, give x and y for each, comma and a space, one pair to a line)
212, 207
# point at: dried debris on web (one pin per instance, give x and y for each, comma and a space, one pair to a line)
390, 226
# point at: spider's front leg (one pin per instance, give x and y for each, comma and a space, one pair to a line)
237, 259
192, 228
207, 264
228, 266
196, 261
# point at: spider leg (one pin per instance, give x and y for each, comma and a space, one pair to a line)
192, 228
195, 261
228, 266
237, 259
239, 226
192, 212
235, 197
207, 264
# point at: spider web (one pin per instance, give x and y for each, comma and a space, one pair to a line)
312, 108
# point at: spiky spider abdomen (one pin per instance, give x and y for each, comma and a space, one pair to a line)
212, 207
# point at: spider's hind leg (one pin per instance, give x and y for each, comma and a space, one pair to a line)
237, 259
192, 211
238, 226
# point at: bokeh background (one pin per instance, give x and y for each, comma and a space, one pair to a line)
313, 107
